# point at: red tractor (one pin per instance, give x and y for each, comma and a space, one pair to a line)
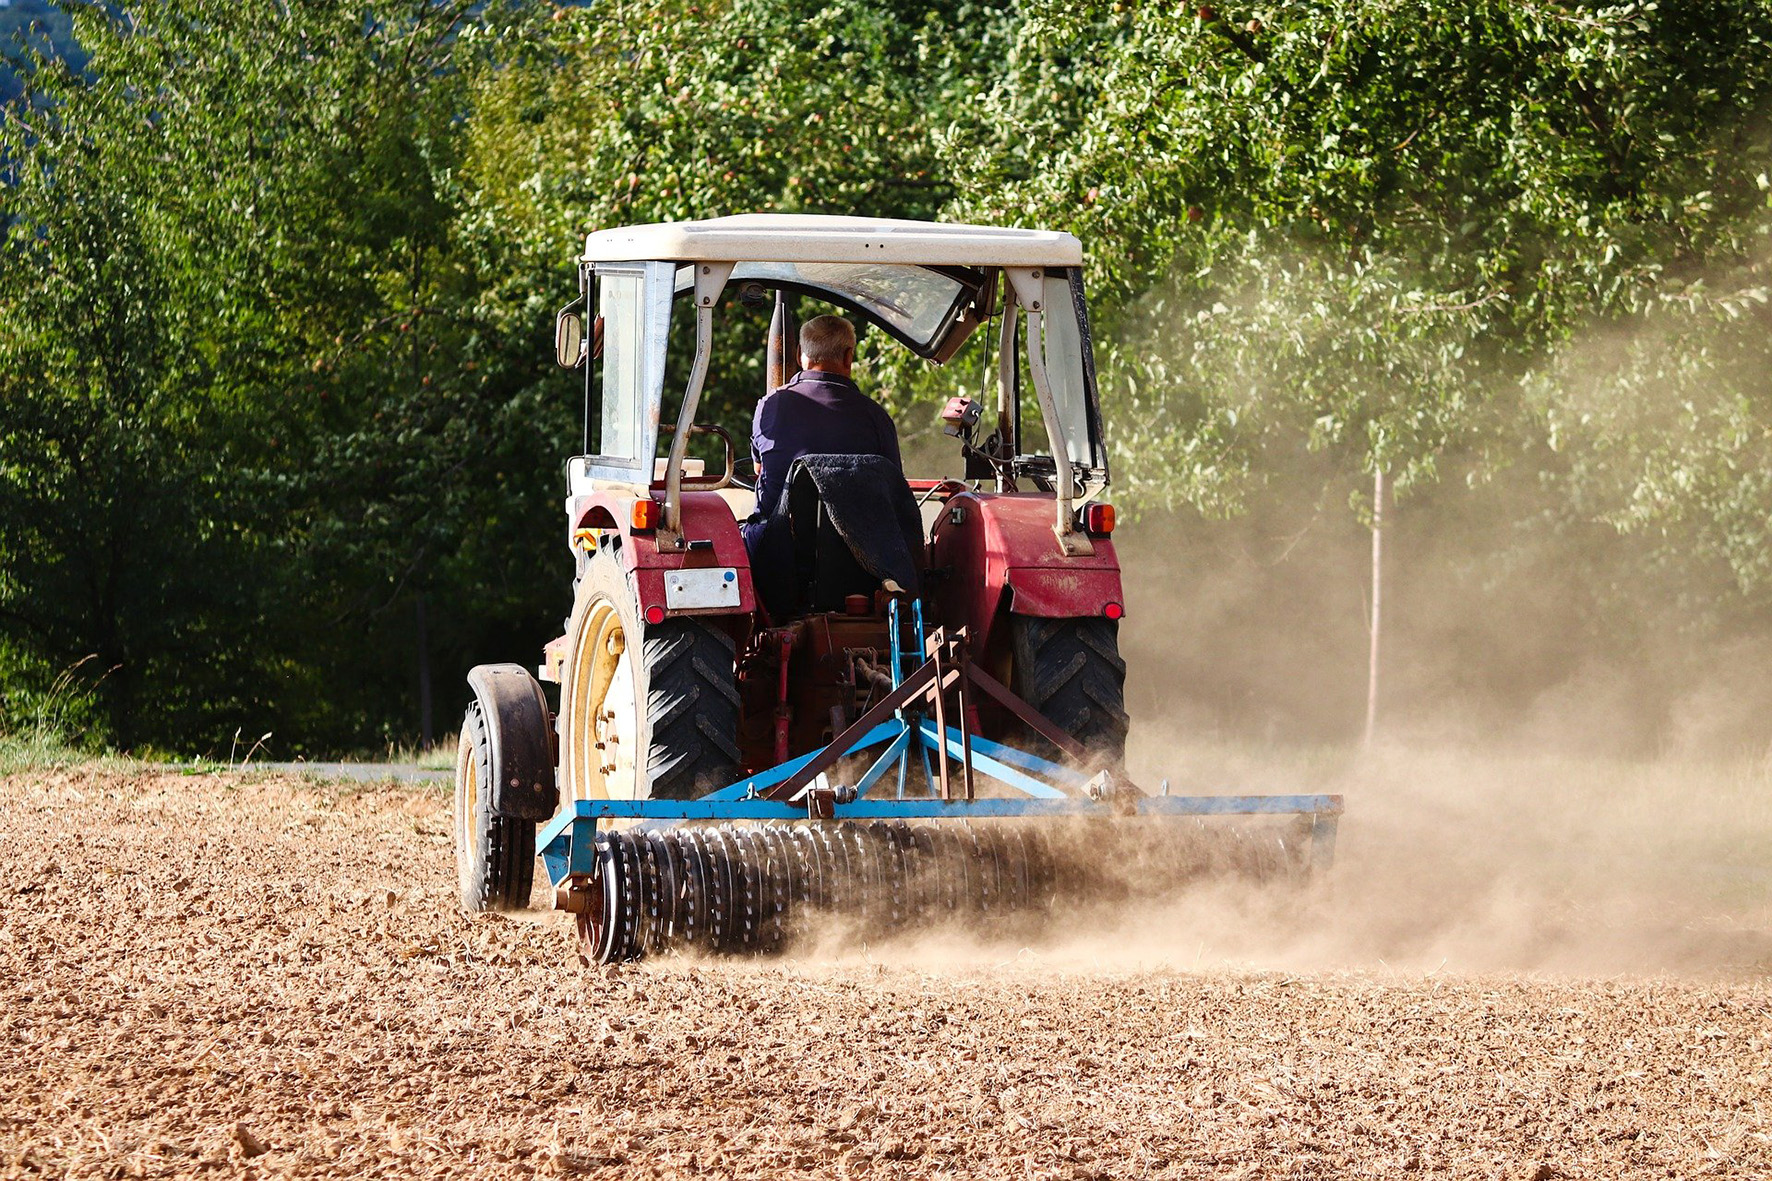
678, 686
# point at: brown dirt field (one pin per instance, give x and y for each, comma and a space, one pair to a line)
211, 975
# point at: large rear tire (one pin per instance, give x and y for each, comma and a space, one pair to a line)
657, 718
1070, 670
494, 855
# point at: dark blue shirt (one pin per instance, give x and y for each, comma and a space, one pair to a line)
817, 413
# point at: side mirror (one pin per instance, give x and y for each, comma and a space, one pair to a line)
569, 340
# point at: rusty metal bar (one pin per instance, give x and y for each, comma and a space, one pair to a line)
932, 649
783, 352
965, 661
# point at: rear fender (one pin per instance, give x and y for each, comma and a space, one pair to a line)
521, 732
1063, 594
998, 554
707, 517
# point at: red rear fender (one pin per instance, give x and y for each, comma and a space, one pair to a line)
707, 518
998, 553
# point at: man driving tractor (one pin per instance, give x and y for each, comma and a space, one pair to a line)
821, 411
802, 731
820, 431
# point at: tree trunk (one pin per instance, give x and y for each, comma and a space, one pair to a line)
1377, 605
425, 735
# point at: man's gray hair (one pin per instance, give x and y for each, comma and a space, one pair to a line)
826, 338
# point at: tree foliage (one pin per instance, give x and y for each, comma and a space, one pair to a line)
1372, 226
252, 409
277, 284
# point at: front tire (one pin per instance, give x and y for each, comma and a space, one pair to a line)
494, 855
1071, 671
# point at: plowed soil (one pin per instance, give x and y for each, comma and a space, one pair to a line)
213, 975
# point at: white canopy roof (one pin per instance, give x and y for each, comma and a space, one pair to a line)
793, 237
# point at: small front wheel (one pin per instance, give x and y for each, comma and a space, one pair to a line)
494, 855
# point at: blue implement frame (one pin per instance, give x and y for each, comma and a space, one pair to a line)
1044, 790
1040, 787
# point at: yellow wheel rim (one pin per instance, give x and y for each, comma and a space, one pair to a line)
600, 711
467, 799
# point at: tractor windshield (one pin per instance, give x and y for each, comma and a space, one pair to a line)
914, 303
933, 309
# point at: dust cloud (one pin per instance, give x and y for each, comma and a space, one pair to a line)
1446, 861
1568, 777
1450, 859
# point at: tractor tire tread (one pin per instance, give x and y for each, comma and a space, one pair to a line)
1071, 671
510, 857
500, 860
693, 701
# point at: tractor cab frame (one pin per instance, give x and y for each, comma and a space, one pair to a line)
1020, 541
929, 287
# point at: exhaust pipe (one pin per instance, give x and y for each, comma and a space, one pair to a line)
783, 350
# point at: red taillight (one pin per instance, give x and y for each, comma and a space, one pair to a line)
1099, 518
645, 514
655, 614
1114, 611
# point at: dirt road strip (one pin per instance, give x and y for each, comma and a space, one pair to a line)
215, 977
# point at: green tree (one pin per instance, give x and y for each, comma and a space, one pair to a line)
1362, 227
277, 285
650, 110
252, 410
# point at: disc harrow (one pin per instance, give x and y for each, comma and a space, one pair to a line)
751, 889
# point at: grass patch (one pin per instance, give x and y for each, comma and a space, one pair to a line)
48, 728
439, 756
30, 751
33, 749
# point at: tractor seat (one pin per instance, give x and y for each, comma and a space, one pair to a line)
855, 529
